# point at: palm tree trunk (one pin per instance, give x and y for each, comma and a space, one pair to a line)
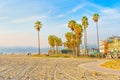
85, 41
97, 36
73, 51
38, 43
57, 49
78, 50
53, 51
50, 50
60, 49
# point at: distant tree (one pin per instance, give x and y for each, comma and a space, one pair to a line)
85, 24
55, 41
58, 44
95, 19
51, 41
38, 27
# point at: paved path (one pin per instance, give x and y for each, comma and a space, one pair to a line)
95, 66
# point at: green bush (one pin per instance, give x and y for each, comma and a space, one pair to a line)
66, 51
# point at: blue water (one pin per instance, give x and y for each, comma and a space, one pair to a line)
21, 50
25, 50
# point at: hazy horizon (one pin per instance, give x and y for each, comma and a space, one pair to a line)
22, 50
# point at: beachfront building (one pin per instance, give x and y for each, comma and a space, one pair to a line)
103, 46
111, 44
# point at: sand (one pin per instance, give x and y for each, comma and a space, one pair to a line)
19, 67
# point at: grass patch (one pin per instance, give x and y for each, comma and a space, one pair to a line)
53, 55
114, 64
61, 55
83, 56
37, 55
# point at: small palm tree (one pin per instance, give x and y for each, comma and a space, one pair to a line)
58, 44
85, 24
38, 27
95, 18
70, 43
51, 41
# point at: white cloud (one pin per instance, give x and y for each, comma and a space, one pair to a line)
27, 19
109, 10
95, 6
76, 8
110, 13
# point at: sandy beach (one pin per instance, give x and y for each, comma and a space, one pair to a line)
20, 67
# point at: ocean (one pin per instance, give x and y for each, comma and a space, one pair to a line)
22, 50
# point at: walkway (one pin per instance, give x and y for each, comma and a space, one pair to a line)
95, 66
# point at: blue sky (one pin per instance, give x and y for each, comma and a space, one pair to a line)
17, 18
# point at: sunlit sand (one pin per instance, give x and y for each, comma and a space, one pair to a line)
23, 67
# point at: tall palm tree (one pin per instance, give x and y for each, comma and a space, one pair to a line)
38, 27
95, 18
85, 24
